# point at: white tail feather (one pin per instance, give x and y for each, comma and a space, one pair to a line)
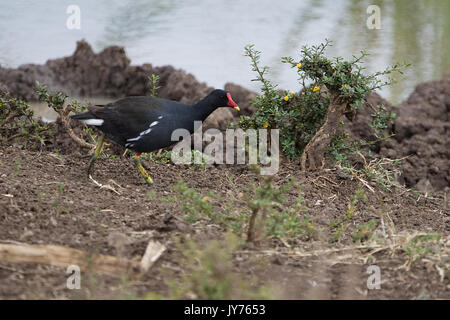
94, 122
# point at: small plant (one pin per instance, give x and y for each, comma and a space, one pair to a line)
56, 101
162, 156
289, 225
422, 245
203, 159
382, 118
58, 201
153, 82
151, 194
17, 166
383, 171
195, 204
17, 123
364, 231
165, 156
262, 212
272, 217
264, 203
209, 275
345, 223
308, 118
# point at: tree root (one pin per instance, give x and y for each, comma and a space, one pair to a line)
63, 115
313, 156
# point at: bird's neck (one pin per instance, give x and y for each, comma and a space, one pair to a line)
204, 108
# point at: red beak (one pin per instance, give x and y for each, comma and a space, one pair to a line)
231, 103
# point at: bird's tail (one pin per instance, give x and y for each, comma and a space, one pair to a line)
83, 116
88, 118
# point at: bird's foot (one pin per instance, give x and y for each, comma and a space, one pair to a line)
148, 180
144, 173
142, 170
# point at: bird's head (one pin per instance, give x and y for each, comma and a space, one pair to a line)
223, 99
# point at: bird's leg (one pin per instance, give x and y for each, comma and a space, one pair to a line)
96, 153
137, 162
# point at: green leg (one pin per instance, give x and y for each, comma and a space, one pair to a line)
96, 153
137, 162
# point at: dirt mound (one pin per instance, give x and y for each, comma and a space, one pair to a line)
358, 127
422, 132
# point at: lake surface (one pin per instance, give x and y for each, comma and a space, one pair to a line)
206, 38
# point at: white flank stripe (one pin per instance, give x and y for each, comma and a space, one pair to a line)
160, 117
94, 122
143, 133
134, 139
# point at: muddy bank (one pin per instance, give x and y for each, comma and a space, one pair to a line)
422, 128
422, 134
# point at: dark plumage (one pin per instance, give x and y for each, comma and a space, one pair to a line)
145, 124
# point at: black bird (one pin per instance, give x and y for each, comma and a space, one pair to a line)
145, 124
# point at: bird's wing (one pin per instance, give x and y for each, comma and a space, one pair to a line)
128, 117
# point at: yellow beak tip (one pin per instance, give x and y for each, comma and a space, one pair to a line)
237, 108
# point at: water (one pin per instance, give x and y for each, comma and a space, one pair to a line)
206, 38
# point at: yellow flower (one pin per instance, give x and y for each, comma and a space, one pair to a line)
345, 85
205, 198
299, 65
292, 92
266, 125
286, 98
316, 88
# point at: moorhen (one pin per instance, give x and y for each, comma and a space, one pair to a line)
145, 124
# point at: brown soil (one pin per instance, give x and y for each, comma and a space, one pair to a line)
422, 134
90, 218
